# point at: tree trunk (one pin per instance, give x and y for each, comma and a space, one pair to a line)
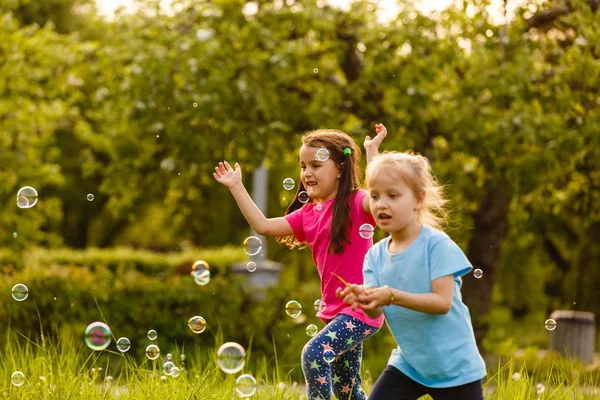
490, 227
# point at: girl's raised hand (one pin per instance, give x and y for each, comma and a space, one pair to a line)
381, 133
350, 294
228, 176
375, 297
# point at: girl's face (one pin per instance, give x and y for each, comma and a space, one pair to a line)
320, 178
392, 202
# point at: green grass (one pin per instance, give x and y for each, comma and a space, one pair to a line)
62, 371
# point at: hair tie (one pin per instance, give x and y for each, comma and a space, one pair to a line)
347, 151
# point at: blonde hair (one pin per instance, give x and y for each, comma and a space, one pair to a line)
416, 172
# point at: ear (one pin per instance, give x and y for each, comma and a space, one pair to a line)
340, 168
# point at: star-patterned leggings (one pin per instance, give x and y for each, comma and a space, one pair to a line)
340, 342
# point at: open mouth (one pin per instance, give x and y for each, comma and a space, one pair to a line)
311, 184
384, 217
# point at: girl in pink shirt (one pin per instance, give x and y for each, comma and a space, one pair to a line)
328, 222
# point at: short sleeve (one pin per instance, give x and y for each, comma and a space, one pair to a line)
358, 203
446, 258
370, 274
295, 220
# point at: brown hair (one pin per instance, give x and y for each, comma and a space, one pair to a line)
335, 142
416, 172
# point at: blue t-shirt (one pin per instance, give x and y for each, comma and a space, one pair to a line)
435, 350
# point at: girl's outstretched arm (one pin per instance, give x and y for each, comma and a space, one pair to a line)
372, 145
232, 179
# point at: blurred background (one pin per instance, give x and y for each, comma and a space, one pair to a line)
135, 102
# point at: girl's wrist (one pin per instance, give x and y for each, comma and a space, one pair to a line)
390, 299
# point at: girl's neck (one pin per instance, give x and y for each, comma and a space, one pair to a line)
407, 235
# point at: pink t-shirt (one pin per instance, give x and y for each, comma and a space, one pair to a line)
312, 226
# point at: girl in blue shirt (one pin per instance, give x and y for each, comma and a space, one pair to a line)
413, 277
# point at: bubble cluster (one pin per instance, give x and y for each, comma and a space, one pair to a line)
231, 357
20, 292
293, 308
27, 197
197, 324
201, 272
97, 336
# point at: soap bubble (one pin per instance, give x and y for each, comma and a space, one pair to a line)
366, 231
550, 324
201, 272
252, 245
231, 357
123, 344
245, 385
311, 330
27, 197
303, 197
97, 336
316, 70
197, 324
152, 335
168, 367
328, 355
152, 352
322, 154
293, 308
477, 273
288, 183
20, 292
320, 305
17, 378
90, 197
251, 266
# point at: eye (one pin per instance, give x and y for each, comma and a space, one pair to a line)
303, 167
374, 196
393, 195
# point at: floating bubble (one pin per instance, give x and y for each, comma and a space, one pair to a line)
245, 385
251, 266
477, 273
169, 356
303, 197
516, 376
197, 324
175, 372
311, 330
27, 197
288, 183
231, 357
252, 245
195, 104
168, 367
182, 357
90, 197
17, 378
201, 272
550, 324
97, 336
366, 231
293, 308
152, 335
123, 344
322, 154
328, 356
20, 292
15, 235
320, 305
316, 70
319, 206
152, 352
